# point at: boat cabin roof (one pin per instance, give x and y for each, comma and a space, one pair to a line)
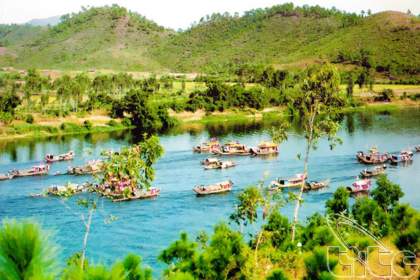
267, 145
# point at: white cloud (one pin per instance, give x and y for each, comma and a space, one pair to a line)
181, 13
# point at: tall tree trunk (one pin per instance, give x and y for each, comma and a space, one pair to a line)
85, 239
305, 172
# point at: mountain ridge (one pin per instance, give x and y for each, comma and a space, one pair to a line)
115, 38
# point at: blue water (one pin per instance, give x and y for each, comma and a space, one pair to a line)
146, 227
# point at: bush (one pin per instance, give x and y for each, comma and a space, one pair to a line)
126, 122
113, 122
6, 117
318, 266
87, 124
277, 274
29, 119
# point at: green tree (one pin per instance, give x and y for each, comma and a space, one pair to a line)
318, 266
317, 104
386, 194
350, 87
339, 203
26, 252
33, 85
277, 274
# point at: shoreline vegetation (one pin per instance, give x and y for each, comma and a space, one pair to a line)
184, 120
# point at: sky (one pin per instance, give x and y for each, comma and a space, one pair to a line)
181, 13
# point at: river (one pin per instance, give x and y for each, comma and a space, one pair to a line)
146, 227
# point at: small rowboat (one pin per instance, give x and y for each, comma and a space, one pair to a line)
288, 183
233, 149
316, 185
207, 147
372, 158
140, 194
6, 176
265, 148
360, 186
403, 157
213, 189
366, 173
49, 158
34, 171
214, 163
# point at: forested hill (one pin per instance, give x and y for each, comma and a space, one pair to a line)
283, 35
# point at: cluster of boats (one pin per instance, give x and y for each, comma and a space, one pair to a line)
235, 148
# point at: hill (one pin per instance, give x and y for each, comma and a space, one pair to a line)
105, 37
45, 21
283, 36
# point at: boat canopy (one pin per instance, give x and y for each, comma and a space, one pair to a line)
267, 145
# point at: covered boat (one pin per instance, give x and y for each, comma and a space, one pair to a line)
403, 157
360, 186
213, 189
288, 183
232, 149
377, 170
140, 194
214, 163
207, 147
265, 148
66, 190
92, 167
373, 157
316, 185
49, 158
34, 171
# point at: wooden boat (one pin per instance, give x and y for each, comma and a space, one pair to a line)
66, 190
402, 157
233, 149
207, 147
92, 167
360, 186
6, 176
214, 163
34, 171
373, 157
265, 148
213, 189
49, 158
417, 149
140, 194
377, 170
316, 185
288, 183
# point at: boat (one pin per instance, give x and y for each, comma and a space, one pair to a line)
213, 189
233, 149
140, 194
417, 149
66, 190
360, 186
377, 170
265, 148
49, 158
288, 183
207, 147
34, 171
7, 176
402, 157
373, 157
214, 163
92, 167
316, 185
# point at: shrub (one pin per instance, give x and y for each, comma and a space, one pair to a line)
113, 122
126, 122
87, 124
277, 274
29, 119
318, 266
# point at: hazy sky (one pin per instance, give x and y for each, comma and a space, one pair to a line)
181, 13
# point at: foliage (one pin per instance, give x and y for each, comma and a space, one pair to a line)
339, 203
316, 233
249, 202
277, 274
279, 227
135, 163
26, 252
368, 213
387, 193
318, 266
